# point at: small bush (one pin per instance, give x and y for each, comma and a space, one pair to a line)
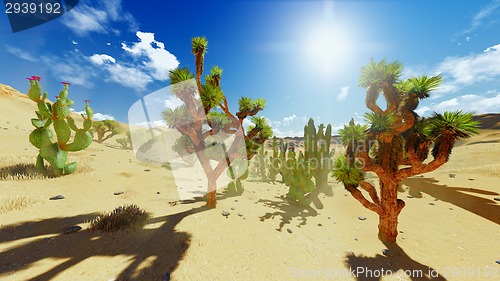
121, 218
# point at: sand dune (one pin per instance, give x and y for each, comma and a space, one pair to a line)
448, 225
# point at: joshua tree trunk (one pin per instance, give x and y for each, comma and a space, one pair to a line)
211, 193
391, 207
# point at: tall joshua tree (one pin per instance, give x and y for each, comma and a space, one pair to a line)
397, 141
200, 125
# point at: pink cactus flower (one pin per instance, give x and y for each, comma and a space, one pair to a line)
29, 78
57, 97
66, 83
37, 78
86, 100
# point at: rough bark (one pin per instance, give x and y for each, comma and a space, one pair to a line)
391, 206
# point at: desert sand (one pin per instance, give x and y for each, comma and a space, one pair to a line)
450, 225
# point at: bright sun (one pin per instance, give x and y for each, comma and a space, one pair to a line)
327, 47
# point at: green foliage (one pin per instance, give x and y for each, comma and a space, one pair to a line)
379, 123
103, 127
448, 127
247, 104
352, 133
380, 74
126, 217
57, 115
349, 175
216, 71
420, 86
458, 124
199, 45
211, 95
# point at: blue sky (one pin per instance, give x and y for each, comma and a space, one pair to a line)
303, 57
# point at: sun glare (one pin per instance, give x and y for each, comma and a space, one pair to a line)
327, 47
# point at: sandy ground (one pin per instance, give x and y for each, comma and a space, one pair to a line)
456, 236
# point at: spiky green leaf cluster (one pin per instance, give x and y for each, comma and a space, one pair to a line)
247, 104
261, 124
176, 116
458, 124
420, 86
380, 73
346, 174
379, 123
352, 132
199, 45
211, 96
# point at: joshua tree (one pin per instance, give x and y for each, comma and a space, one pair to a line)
101, 128
199, 125
397, 141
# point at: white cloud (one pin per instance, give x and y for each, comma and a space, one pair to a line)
476, 103
74, 42
109, 44
101, 59
467, 38
422, 110
246, 123
289, 119
128, 76
281, 134
344, 92
97, 16
492, 48
20, 53
97, 116
173, 102
153, 124
486, 15
78, 69
463, 71
157, 60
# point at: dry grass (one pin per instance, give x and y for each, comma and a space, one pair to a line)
16, 203
126, 174
23, 168
121, 218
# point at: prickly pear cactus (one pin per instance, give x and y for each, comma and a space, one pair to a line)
57, 115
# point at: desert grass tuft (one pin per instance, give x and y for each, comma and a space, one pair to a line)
126, 174
125, 217
15, 203
23, 168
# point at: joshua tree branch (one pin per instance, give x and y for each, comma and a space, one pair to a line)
369, 166
409, 121
440, 159
368, 187
356, 193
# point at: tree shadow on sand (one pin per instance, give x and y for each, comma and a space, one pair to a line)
288, 209
459, 196
395, 263
163, 246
